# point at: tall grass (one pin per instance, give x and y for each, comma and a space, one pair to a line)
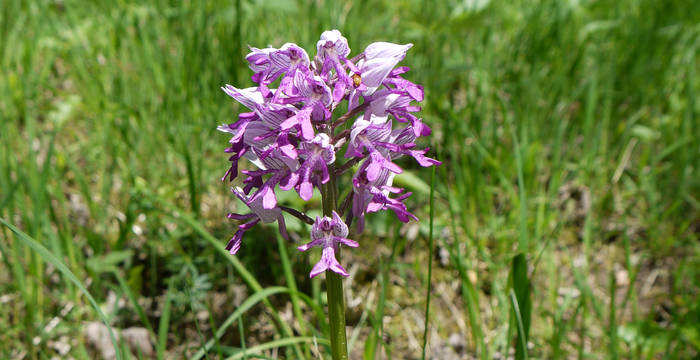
570, 186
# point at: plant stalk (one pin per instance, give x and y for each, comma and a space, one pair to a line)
334, 284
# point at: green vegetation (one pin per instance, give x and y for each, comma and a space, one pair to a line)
567, 211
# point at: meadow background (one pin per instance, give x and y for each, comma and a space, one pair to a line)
570, 185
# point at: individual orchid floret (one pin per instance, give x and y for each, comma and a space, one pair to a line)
398, 104
315, 93
317, 155
259, 62
333, 45
401, 143
368, 135
268, 64
316, 97
362, 192
290, 60
328, 233
379, 60
373, 195
332, 52
260, 213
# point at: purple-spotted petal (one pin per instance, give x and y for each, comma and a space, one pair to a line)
332, 41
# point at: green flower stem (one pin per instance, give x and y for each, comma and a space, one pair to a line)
336, 315
334, 284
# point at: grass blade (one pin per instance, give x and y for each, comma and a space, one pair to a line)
240, 310
277, 344
522, 304
612, 328
47, 256
430, 262
164, 324
238, 266
521, 343
291, 283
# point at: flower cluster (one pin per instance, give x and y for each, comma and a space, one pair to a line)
291, 136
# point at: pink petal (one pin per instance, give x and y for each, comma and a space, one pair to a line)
373, 171
306, 191
320, 267
329, 258
269, 199
339, 91
307, 130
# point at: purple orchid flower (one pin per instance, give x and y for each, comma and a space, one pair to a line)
270, 63
379, 60
259, 62
316, 96
260, 213
367, 135
373, 195
329, 234
290, 60
401, 143
317, 155
398, 104
333, 51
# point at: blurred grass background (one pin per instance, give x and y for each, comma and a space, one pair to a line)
570, 187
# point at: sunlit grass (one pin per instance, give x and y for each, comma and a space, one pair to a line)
568, 130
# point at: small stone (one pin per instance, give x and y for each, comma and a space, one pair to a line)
139, 340
97, 336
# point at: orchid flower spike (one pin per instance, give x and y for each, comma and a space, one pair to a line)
292, 137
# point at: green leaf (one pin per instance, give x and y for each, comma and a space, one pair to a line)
522, 304
109, 262
645, 133
412, 182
